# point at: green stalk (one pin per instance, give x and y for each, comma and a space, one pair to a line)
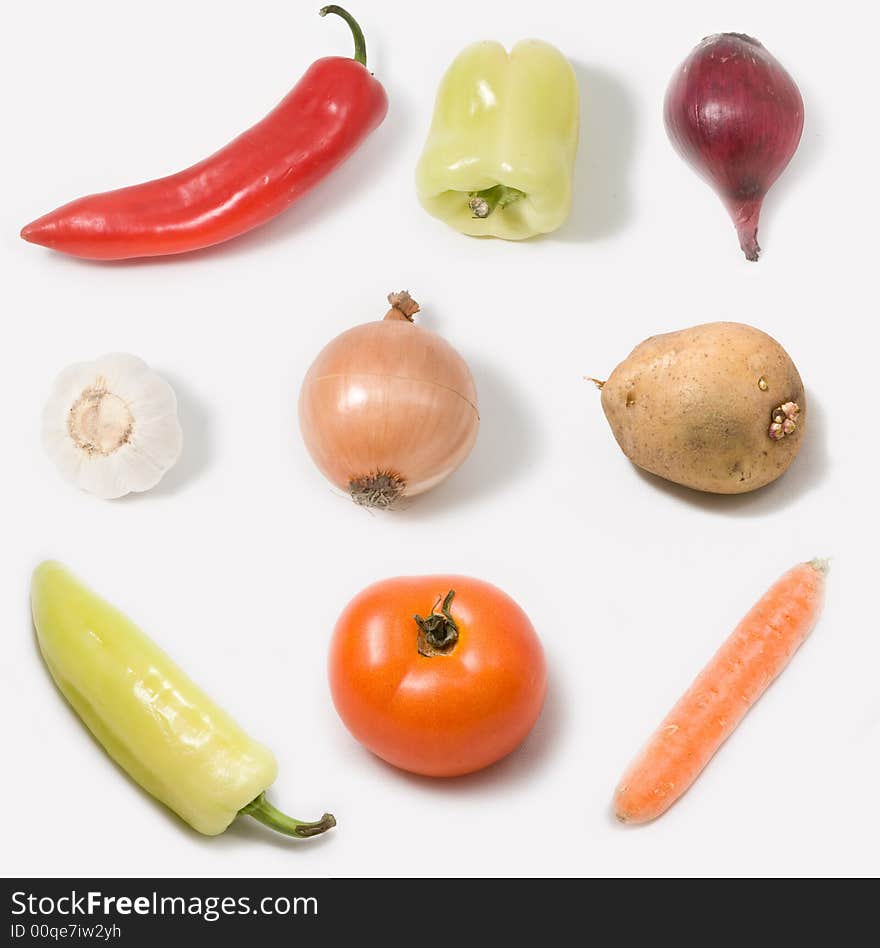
360, 44
261, 809
484, 202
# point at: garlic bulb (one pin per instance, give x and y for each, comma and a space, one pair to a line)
111, 425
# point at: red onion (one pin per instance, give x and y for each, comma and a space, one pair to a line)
736, 116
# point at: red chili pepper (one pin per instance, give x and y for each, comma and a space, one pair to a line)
321, 121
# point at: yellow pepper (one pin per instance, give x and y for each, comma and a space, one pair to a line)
499, 159
159, 726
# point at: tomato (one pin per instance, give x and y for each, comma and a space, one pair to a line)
438, 675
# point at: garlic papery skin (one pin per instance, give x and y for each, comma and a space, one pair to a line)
111, 426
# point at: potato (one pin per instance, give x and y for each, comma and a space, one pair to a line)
718, 407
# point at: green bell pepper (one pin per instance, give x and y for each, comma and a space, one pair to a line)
159, 726
499, 159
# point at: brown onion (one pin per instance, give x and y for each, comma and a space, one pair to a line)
388, 409
736, 116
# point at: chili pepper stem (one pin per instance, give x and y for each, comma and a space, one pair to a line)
484, 202
261, 809
438, 633
360, 44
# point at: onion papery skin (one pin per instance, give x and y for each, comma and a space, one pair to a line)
389, 398
736, 116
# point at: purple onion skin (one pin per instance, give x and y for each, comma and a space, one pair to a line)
736, 116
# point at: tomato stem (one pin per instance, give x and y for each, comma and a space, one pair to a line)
360, 44
438, 633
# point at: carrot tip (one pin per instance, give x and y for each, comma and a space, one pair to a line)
822, 566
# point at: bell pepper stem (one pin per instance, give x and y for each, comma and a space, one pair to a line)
360, 44
484, 202
261, 809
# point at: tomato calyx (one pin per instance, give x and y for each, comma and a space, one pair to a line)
438, 632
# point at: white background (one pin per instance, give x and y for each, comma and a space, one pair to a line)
240, 561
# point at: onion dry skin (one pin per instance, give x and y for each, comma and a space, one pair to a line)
388, 409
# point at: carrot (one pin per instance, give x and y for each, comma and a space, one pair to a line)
707, 714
